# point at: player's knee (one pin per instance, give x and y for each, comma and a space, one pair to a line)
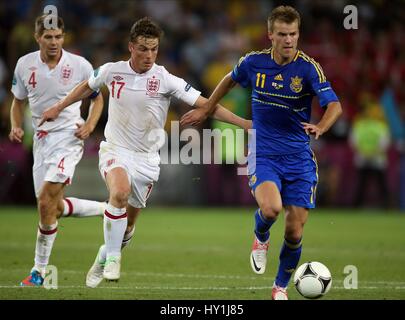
293, 235
46, 206
270, 211
121, 197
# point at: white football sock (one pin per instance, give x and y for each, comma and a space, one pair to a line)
125, 242
80, 208
115, 224
45, 238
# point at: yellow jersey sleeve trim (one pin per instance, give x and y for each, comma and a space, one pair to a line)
265, 51
316, 65
297, 55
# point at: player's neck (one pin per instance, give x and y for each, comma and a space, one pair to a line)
135, 67
280, 60
50, 61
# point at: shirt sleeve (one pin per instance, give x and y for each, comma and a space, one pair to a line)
240, 72
182, 90
18, 88
87, 70
99, 76
321, 87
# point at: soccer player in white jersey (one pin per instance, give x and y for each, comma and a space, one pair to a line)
140, 93
44, 77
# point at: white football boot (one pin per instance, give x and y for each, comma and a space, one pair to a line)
112, 269
258, 257
95, 274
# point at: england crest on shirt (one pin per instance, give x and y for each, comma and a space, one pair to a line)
152, 87
66, 74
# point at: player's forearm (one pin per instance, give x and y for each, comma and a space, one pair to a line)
17, 113
95, 111
220, 91
332, 113
80, 92
223, 114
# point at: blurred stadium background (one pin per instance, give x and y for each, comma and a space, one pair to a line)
203, 40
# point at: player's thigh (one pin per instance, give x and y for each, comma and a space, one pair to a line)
50, 195
142, 186
295, 219
118, 182
300, 178
268, 198
266, 185
52, 189
55, 158
38, 174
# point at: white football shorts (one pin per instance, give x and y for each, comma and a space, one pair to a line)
142, 170
56, 155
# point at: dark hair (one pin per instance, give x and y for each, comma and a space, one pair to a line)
285, 14
146, 28
40, 23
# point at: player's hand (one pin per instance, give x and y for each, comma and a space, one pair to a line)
247, 124
16, 135
193, 117
312, 129
83, 131
49, 114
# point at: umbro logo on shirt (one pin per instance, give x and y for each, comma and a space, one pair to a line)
118, 78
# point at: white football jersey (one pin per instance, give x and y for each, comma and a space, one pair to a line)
44, 87
139, 103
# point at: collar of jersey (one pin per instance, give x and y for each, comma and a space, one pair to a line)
62, 58
293, 60
139, 74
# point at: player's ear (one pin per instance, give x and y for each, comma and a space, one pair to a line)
37, 37
270, 35
130, 46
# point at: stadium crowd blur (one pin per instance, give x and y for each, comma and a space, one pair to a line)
203, 40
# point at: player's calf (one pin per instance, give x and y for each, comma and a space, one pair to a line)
80, 208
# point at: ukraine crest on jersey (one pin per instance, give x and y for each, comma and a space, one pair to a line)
296, 84
282, 98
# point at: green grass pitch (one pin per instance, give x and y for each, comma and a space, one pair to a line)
203, 253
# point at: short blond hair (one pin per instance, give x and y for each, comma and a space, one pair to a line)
285, 14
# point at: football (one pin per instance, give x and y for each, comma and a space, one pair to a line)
312, 280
